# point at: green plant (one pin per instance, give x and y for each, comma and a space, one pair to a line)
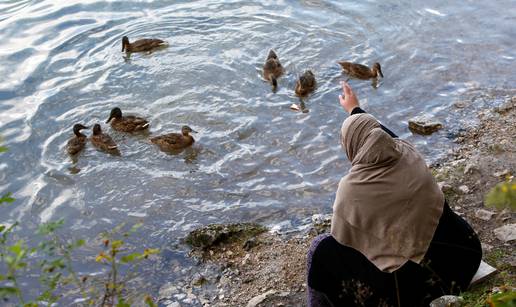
56, 267
114, 255
503, 195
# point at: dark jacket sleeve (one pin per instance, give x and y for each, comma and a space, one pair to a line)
358, 110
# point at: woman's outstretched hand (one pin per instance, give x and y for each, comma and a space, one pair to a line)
348, 100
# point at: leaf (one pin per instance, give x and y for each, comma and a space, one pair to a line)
150, 251
116, 244
130, 257
149, 301
79, 243
50, 227
122, 303
102, 257
6, 198
135, 227
503, 195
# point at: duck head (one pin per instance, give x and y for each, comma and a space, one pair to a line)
272, 55
96, 129
125, 43
77, 129
115, 113
377, 69
185, 130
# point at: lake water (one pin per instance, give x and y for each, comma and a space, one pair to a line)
254, 159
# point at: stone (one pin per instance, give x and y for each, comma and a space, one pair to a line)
503, 173
424, 125
260, 298
484, 214
445, 187
506, 233
249, 244
173, 304
460, 104
215, 234
486, 247
447, 301
470, 168
464, 189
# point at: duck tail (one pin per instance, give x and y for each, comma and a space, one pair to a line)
274, 82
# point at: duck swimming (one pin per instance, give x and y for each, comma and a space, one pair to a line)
76, 144
360, 71
141, 45
126, 123
306, 84
174, 141
272, 69
103, 141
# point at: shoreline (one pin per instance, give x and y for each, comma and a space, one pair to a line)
245, 267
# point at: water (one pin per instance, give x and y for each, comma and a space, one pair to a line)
254, 159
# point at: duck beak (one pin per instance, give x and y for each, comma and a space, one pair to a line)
109, 119
380, 72
194, 131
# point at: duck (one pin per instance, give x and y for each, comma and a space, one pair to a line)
362, 72
175, 141
76, 144
305, 84
127, 123
103, 141
272, 69
141, 45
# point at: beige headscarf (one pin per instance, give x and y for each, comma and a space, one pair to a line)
389, 205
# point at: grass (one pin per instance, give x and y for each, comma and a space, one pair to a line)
478, 295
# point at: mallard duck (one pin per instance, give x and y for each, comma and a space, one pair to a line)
174, 141
76, 144
126, 123
103, 141
360, 71
141, 45
306, 84
272, 69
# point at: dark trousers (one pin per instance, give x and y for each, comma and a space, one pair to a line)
341, 276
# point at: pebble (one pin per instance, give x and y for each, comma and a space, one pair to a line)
423, 125
447, 301
503, 173
445, 187
260, 298
486, 247
464, 189
470, 168
484, 214
506, 233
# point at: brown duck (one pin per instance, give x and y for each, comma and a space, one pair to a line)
174, 141
141, 45
103, 141
306, 84
76, 144
127, 123
360, 71
272, 69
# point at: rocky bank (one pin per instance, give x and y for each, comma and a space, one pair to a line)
246, 265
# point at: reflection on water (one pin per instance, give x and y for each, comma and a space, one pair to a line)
254, 159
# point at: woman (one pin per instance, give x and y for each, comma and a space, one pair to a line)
394, 240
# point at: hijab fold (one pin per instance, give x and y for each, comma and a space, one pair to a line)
388, 205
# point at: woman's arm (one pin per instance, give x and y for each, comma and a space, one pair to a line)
350, 103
